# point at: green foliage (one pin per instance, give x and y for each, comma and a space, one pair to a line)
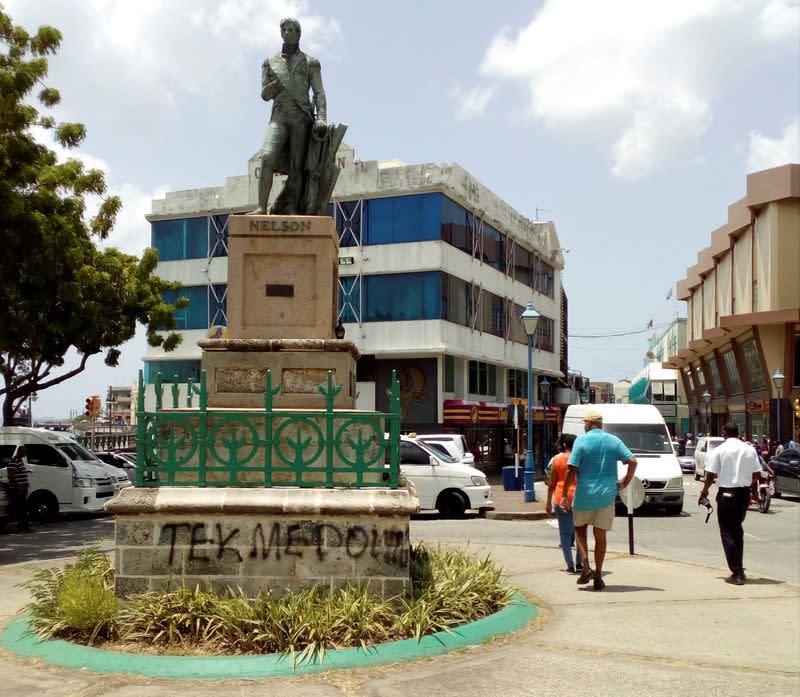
60, 290
449, 588
76, 602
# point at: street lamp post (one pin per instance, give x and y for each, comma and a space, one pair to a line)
707, 400
530, 320
544, 386
777, 380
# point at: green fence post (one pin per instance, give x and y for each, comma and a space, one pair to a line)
330, 393
140, 432
203, 431
269, 417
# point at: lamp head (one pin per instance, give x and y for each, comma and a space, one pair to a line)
530, 320
778, 379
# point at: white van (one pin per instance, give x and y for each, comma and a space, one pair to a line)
64, 476
705, 444
641, 427
442, 482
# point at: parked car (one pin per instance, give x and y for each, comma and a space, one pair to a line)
705, 444
119, 461
454, 444
787, 472
442, 483
686, 460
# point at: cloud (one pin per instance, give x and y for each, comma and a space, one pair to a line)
765, 152
641, 76
134, 65
471, 103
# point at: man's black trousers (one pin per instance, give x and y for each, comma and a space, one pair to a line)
732, 507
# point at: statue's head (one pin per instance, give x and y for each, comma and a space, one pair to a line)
290, 30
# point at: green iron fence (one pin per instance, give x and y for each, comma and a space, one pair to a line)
198, 446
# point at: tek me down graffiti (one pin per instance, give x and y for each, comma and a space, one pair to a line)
276, 540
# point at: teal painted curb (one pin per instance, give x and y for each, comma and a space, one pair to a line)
19, 640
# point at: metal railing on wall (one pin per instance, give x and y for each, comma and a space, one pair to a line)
188, 446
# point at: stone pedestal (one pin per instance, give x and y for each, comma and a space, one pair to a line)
236, 371
254, 539
283, 273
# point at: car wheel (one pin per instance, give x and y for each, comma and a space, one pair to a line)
43, 506
451, 505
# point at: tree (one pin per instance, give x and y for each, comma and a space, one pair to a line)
58, 289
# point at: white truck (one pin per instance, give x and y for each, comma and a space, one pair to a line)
641, 427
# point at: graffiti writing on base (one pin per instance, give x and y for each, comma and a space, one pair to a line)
277, 540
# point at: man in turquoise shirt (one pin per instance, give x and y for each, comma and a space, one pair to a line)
594, 461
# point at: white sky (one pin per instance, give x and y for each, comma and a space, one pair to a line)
630, 124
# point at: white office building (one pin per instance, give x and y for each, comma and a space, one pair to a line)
435, 271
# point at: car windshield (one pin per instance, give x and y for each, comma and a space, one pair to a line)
689, 450
642, 438
76, 452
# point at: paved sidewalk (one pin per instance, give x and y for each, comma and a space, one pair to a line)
511, 505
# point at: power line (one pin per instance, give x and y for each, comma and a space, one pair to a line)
625, 332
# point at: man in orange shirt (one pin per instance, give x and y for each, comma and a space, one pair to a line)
555, 492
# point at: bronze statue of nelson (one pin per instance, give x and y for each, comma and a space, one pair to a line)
299, 141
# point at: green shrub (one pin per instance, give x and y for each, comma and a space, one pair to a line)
76, 602
448, 588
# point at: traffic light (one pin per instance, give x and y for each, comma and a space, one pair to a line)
592, 395
797, 408
93, 406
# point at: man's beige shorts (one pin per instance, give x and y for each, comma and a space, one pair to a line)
602, 518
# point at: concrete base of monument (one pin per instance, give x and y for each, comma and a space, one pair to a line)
236, 370
282, 539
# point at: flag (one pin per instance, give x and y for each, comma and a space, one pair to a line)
650, 324
669, 295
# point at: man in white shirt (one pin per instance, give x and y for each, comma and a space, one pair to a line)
732, 464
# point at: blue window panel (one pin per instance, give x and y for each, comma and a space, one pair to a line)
184, 370
454, 226
350, 215
402, 219
349, 298
196, 314
494, 247
399, 297
218, 236
182, 238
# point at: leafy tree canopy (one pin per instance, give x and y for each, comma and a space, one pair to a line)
58, 289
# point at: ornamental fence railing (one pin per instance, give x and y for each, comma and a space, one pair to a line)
184, 445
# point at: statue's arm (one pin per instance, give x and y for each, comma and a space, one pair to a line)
320, 103
270, 86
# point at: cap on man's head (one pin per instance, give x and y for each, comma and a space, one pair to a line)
594, 416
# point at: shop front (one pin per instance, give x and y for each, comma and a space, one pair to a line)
482, 424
